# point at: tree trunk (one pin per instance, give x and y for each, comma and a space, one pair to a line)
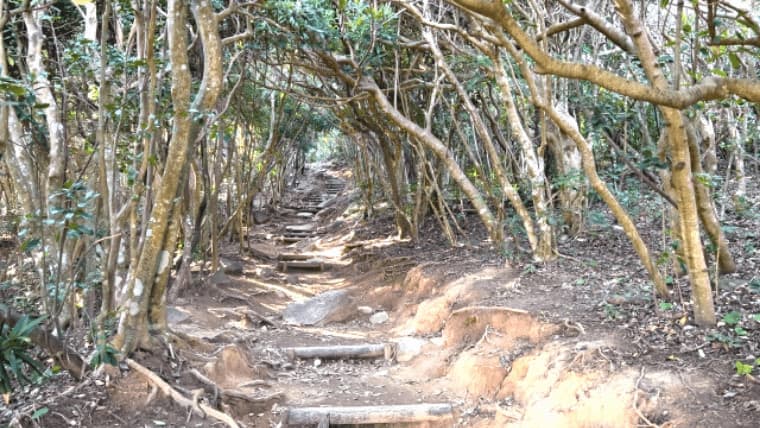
706, 209
154, 258
681, 172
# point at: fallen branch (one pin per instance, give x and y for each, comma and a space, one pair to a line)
369, 414
231, 393
199, 409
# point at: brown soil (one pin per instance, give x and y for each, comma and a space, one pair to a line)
574, 343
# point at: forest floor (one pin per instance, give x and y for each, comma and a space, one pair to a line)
578, 342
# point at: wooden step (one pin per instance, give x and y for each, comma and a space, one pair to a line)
343, 352
306, 227
289, 234
303, 265
365, 415
290, 257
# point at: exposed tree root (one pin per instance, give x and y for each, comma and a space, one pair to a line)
199, 409
636, 409
228, 393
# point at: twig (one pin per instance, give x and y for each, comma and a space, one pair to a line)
199, 408
574, 326
257, 382
151, 395
206, 381
117, 417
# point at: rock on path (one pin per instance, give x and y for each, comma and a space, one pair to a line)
325, 307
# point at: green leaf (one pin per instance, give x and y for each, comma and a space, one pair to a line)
735, 61
740, 331
39, 413
756, 317
743, 369
732, 318
666, 306
29, 244
718, 72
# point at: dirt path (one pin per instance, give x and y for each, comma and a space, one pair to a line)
296, 255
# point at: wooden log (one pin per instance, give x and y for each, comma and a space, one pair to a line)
289, 257
364, 415
338, 352
290, 239
292, 234
307, 227
306, 265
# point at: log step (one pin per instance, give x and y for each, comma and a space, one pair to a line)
365, 415
308, 227
344, 352
305, 265
290, 257
301, 235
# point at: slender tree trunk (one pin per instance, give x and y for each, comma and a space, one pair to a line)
534, 166
681, 171
706, 209
432, 143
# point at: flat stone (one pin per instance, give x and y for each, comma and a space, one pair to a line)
366, 310
219, 278
176, 315
232, 267
319, 309
379, 317
408, 348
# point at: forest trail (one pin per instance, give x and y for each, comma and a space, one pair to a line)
290, 320
312, 315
